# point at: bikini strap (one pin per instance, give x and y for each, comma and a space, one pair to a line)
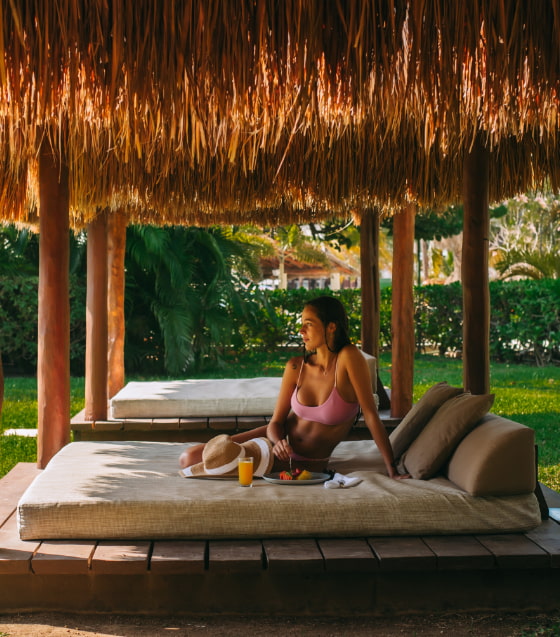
335, 369
300, 370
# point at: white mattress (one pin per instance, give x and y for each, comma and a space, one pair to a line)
197, 398
133, 490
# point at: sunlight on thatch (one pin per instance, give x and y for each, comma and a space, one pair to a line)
203, 111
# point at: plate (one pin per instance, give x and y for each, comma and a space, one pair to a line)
316, 478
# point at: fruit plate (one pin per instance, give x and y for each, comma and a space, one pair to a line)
316, 478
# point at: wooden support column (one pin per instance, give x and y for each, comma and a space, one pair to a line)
96, 321
116, 247
402, 316
53, 338
474, 270
370, 292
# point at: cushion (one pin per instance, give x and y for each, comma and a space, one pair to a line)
120, 490
416, 419
448, 426
202, 398
496, 458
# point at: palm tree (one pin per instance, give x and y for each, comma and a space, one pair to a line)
183, 285
526, 240
291, 241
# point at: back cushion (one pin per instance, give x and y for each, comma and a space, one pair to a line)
427, 455
496, 458
416, 419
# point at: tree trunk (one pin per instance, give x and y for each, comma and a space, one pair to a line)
53, 342
402, 318
474, 271
116, 246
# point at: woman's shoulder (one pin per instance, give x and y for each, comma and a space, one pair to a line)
294, 363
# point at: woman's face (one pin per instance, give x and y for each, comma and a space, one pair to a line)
313, 330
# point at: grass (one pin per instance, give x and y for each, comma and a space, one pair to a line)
526, 394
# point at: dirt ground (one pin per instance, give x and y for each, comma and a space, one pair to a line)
455, 625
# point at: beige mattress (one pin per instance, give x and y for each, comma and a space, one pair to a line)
133, 490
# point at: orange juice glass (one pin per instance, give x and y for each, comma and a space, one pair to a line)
245, 467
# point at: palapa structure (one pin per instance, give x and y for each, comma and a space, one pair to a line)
264, 112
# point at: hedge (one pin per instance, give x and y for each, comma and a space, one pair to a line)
525, 321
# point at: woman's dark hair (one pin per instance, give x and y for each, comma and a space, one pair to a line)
331, 310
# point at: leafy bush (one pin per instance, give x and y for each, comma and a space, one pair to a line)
18, 324
525, 323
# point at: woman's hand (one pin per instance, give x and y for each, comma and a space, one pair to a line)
393, 473
282, 450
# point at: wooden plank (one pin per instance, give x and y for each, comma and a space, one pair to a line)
293, 556
193, 423
107, 425
120, 558
347, 554
459, 552
222, 423
547, 536
402, 553
61, 557
12, 486
514, 550
235, 556
178, 556
165, 424
251, 422
136, 424
15, 553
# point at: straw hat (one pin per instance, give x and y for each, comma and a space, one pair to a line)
220, 455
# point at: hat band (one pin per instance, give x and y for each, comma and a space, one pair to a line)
265, 455
225, 468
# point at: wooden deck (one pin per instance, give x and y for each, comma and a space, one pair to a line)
339, 577
186, 429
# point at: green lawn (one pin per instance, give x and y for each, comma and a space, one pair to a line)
530, 395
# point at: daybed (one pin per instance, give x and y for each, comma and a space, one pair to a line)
473, 472
203, 397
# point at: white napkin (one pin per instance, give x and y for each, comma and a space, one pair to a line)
338, 481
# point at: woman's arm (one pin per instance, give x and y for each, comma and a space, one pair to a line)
276, 431
360, 378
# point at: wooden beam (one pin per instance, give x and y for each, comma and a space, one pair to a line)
402, 316
474, 270
53, 342
96, 321
116, 248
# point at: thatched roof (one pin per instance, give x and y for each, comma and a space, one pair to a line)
204, 111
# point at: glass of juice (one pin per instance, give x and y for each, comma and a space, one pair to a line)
245, 467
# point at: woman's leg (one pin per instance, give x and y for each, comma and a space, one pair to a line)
193, 455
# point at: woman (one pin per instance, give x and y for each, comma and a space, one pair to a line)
320, 396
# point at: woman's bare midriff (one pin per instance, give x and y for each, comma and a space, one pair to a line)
314, 439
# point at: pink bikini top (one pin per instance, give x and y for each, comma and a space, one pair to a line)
333, 411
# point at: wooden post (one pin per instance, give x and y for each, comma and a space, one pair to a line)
402, 316
370, 292
116, 247
53, 342
474, 270
96, 321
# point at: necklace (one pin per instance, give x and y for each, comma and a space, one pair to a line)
325, 370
